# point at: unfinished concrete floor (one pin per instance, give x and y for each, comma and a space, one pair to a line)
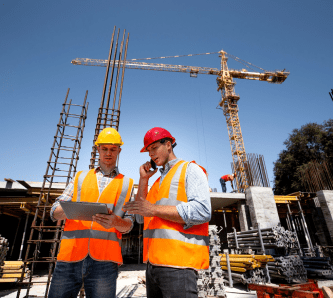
128, 285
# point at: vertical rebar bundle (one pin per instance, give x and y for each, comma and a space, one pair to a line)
316, 176
61, 168
109, 112
256, 170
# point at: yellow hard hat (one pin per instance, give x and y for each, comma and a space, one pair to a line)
109, 136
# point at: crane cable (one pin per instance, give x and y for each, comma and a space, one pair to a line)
245, 63
189, 55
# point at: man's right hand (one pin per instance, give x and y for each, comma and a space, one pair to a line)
145, 172
59, 213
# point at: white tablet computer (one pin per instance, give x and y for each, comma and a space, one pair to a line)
82, 210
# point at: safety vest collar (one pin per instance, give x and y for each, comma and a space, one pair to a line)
168, 188
126, 186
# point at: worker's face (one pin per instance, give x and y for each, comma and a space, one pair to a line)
160, 153
108, 154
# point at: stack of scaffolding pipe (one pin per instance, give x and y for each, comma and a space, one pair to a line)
4, 247
247, 268
289, 268
318, 266
276, 237
210, 281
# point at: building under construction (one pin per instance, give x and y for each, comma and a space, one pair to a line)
33, 238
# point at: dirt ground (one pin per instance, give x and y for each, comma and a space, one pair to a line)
129, 284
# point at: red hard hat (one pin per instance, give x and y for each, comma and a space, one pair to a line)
155, 134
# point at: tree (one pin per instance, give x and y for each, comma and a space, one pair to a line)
313, 142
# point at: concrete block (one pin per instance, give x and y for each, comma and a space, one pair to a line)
243, 216
325, 198
262, 207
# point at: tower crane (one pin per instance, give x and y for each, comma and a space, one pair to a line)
226, 85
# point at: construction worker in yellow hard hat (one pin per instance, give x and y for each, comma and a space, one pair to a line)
109, 136
108, 146
90, 251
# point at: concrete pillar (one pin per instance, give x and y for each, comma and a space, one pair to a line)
243, 216
262, 207
325, 198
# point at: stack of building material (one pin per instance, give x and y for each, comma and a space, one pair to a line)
318, 266
4, 247
247, 268
289, 268
11, 271
210, 282
275, 237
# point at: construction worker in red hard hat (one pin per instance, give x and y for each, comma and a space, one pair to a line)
176, 213
226, 178
90, 251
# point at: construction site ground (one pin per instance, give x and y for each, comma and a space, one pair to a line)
129, 284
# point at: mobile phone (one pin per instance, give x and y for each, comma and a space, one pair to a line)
153, 164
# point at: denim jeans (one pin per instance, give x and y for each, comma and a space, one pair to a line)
99, 279
168, 282
224, 187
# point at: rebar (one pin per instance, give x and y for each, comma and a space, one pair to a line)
63, 158
110, 117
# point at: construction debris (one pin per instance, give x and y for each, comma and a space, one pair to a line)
309, 290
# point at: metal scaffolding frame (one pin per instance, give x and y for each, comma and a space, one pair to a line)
61, 167
109, 116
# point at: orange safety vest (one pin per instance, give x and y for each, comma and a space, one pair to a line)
82, 237
166, 243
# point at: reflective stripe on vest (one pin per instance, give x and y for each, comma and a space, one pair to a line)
177, 235
82, 237
166, 243
94, 234
121, 200
79, 185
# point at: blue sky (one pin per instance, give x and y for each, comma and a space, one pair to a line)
38, 40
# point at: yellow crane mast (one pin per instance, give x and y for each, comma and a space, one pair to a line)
226, 84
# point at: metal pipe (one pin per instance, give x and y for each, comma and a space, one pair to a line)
308, 238
18, 226
24, 231
235, 237
225, 221
229, 270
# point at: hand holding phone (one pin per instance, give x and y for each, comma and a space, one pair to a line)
153, 164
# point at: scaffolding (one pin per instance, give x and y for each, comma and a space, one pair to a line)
61, 168
109, 116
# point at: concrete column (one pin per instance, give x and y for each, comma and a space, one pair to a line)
262, 207
325, 198
243, 216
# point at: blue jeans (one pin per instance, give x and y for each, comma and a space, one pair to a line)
99, 279
224, 187
168, 282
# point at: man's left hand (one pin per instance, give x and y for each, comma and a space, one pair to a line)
107, 221
140, 206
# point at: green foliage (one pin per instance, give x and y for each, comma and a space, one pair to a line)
312, 142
